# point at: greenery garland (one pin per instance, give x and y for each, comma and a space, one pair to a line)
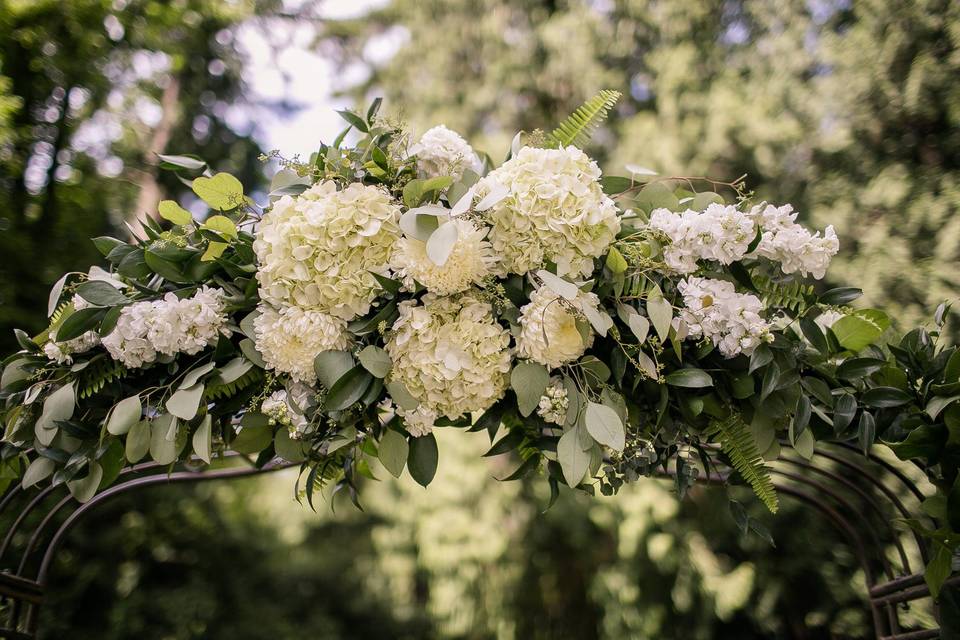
602, 327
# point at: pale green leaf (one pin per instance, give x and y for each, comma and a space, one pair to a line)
529, 380
375, 360
185, 402
605, 426
124, 415
393, 452
222, 191
82, 489
170, 210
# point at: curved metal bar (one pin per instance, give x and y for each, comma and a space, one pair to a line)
849, 531
9, 496
47, 491
870, 500
115, 490
907, 482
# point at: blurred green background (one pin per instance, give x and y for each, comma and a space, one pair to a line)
849, 109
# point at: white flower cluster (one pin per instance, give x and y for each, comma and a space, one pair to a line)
470, 261
555, 210
792, 245
549, 329
450, 354
286, 408
166, 327
554, 402
443, 152
721, 232
290, 339
731, 320
316, 251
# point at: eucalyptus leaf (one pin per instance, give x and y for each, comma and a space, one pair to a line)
124, 415
40, 469
138, 441
422, 459
82, 489
660, 312
393, 452
529, 380
605, 426
574, 461
202, 438
331, 365
375, 360
185, 403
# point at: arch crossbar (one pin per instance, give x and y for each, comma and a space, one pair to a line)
860, 496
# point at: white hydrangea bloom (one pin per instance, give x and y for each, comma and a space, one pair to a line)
555, 210
554, 402
166, 327
791, 244
275, 407
316, 251
282, 408
470, 261
721, 233
731, 320
450, 354
420, 421
549, 331
443, 152
290, 339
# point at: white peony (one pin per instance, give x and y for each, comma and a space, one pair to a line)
549, 329
554, 402
166, 327
450, 354
469, 262
791, 244
721, 233
290, 339
555, 210
443, 152
316, 251
730, 320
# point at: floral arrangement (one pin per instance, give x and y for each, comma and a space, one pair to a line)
602, 327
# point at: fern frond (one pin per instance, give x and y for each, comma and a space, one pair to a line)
224, 391
582, 123
99, 373
738, 443
795, 296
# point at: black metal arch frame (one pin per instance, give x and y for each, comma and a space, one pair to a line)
860, 496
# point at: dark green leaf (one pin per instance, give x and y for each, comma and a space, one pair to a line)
690, 378
885, 397
422, 460
348, 389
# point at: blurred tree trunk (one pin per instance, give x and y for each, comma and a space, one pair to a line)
149, 191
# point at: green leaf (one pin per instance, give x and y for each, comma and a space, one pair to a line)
844, 410
289, 449
423, 458
249, 348
857, 368
885, 397
441, 242
193, 377
348, 389
938, 569
330, 366
413, 193
564, 289
656, 195
574, 461
53, 300
375, 360
221, 225
614, 185
124, 415
164, 268
404, 399
938, 404
805, 444
82, 489
867, 431
704, 199
582, 123
165, 446
813, 333
660, 312
253, 438
181, 162
185, 402
354, 120
529, 380
420, 223
202, 438
689, 378
856, 331
78, 323
738, 443
840, 295
138, 441
605, 426
615, 262
393, 452
221, 192
170, 210
58, 406
40, 469
801, 415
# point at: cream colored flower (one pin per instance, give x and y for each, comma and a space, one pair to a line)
554, 402
316, 251
291, 338
450, 354
443, 152
552, 331
555, 211
469, 262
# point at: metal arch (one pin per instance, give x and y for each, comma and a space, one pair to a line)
859, 506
